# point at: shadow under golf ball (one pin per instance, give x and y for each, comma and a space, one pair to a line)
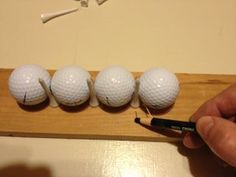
157, 111
114, 110
75, 109
35, 108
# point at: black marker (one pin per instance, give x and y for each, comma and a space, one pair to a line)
166, 123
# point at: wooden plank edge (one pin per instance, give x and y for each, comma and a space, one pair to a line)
91, 137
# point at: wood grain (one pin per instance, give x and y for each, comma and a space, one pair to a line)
103, 122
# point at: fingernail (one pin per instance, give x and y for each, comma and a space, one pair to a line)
204, 126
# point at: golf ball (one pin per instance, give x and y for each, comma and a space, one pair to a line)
69, 85
114, 86
158, 88
24, 84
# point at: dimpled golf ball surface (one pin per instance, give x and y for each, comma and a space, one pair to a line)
69, 85
114, 86
24, 84
158, 88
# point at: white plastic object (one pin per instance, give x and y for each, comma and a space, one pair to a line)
24, 85
52, 101
159, 88
93, 102
114, 86
69, 85
45, 17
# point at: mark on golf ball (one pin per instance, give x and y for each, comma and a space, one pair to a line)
114, 86
107, 100
24, 101
24, 86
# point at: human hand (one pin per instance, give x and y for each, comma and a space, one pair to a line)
214, 126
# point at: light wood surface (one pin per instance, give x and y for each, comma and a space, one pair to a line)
183, 36
102, 122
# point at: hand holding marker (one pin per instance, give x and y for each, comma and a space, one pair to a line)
215, 123
209, 122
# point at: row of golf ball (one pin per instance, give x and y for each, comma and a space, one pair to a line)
114, 86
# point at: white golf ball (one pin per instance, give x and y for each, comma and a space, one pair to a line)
24, 84
158, 88
69, 85
114, 86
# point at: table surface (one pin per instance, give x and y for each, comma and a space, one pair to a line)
183, 36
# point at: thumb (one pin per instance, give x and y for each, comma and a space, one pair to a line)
220, 136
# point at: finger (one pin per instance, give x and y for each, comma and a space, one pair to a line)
226, 102
223, 105
220, 135
209, 108
192, 141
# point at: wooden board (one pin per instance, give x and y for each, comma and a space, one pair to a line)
101, 122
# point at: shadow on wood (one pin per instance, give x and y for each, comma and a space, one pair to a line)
157, 111
17, 170
75, 109
35, 108
113, 109
164, 131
